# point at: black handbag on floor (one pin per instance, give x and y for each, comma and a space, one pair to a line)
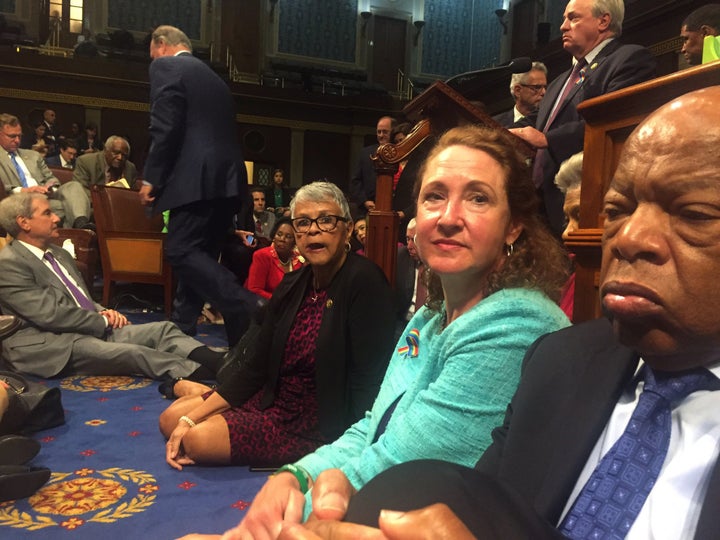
33, 406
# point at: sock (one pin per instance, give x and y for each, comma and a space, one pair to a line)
212, 360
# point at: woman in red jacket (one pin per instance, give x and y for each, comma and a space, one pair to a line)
270, 264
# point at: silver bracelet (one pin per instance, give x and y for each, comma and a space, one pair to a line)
187, 421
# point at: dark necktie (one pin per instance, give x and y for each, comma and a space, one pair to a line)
577, 75
19, 170
83, 300
618, 487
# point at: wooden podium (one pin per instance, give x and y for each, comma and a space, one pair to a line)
609, 121
436, 110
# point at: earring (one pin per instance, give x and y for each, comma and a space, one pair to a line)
348, 247
509, 249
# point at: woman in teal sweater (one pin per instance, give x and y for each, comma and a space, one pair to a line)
495, 275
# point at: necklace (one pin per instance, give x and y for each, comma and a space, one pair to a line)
316, 293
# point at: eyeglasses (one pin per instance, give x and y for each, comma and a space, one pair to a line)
534, 87
324, 223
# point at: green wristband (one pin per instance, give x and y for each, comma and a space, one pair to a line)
299, 473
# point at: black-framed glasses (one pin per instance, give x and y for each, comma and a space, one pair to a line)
324, 223
534, 87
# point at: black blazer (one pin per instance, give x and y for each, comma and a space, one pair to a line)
353, 344
195, 153
576, 375
362, 183
616, 66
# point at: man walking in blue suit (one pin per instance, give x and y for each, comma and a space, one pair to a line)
195, 169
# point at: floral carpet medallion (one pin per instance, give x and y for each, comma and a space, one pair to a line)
85, 383
70, 500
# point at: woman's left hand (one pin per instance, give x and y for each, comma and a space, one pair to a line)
173, 454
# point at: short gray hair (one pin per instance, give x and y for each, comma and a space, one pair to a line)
520, 78
321, 192
112, 138
616, 10
171, 36
15, 206
569, 176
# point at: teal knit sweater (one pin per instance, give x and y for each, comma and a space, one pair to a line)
455, 385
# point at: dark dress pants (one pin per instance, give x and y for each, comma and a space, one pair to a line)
489, 509
196, 233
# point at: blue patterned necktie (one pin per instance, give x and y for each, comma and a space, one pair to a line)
19, 169
618, 487
80, 296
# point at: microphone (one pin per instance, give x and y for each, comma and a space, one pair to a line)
467, 82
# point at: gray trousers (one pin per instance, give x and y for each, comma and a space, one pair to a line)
155, 350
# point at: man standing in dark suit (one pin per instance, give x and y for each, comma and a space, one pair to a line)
601, 64
528, 90
362, 183
599, 441
195, 169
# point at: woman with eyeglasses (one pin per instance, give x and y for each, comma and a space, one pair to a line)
270, 264
318, 359
494, 276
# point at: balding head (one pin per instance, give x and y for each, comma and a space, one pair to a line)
661, 246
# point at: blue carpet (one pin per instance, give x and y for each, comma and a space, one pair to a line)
110, 479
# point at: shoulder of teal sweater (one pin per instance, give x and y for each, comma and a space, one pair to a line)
518, 302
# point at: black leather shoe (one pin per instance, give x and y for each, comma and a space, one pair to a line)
17, 450
20, 481
9, 324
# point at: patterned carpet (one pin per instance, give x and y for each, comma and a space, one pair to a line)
110, 479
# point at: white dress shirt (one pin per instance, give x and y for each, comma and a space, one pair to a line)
672, 509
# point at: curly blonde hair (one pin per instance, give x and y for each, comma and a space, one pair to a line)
537, 260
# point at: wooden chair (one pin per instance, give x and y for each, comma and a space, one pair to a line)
62, 174
131, 243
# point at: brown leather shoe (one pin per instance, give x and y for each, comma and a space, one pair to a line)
9, 324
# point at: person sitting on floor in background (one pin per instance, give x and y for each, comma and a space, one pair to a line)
360, 234
264, 220
26, 171
111, 165
568, 180
279, 195
63, 330
270, 264
319, 357
89, 141
65, 159
496, 274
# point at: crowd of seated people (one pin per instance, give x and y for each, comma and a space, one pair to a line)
496, 275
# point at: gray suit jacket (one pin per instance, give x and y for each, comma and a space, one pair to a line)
90, 170
35, 164
51, 318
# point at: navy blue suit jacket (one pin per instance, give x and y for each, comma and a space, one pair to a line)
578, 375
616, 66
194, 154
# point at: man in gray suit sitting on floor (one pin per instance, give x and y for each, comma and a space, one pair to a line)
63, 330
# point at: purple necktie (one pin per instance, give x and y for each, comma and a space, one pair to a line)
83, 300
618, 487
